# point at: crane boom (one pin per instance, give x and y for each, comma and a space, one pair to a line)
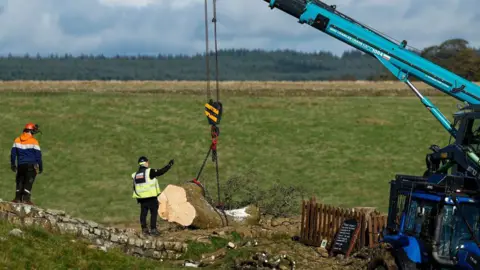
400, 61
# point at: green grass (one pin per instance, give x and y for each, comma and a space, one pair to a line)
39, 249
197, 249
344, 150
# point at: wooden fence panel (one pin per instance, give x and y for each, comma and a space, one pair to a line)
320, 221
378, 224
318, 236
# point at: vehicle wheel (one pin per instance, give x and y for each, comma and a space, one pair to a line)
383, 261
403, 262
380, 264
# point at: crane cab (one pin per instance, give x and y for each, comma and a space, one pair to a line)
461, 157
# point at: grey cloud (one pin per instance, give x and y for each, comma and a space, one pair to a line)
87, 26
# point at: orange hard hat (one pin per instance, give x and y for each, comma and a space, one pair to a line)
31, 126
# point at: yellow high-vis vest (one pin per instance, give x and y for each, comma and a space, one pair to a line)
143, 185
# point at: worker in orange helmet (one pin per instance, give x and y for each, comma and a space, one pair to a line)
26, 162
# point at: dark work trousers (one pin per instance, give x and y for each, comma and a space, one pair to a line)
146, 205
25, 177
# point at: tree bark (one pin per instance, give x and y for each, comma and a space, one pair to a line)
187, 206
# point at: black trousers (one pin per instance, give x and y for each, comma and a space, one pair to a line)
25, 177
148, 204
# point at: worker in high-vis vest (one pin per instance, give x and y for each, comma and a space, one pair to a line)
146, 190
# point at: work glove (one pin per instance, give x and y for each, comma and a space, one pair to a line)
170, 163
14, 168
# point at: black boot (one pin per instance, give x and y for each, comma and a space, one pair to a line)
145, 231
26, 199
154, 232
18, 198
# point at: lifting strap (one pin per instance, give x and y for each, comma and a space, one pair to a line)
213, 111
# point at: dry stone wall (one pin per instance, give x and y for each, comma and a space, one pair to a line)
104, 238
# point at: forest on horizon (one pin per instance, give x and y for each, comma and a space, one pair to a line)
234, 64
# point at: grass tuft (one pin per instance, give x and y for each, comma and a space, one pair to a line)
196, 249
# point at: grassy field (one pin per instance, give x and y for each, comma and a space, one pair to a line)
38, 249
344, 150
230, 88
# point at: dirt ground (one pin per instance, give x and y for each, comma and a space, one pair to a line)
272, 241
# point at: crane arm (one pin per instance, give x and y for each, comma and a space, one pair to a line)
400, 61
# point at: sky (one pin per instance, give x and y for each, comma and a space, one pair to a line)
122, 27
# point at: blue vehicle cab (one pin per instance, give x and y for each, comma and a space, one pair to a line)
433, 223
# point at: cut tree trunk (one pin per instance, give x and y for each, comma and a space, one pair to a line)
187, 206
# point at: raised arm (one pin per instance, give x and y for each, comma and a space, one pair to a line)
158, 172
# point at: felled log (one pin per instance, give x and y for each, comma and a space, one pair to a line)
186, 205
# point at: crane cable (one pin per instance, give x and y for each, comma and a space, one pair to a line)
207, 61
213, 110
214, 20
207, 51
217, 131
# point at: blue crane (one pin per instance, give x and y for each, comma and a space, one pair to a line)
400, 61
434, 219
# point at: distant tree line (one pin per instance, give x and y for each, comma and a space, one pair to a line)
234, 64
454, 54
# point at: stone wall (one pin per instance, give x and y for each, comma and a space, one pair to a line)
132, 242
104, 238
